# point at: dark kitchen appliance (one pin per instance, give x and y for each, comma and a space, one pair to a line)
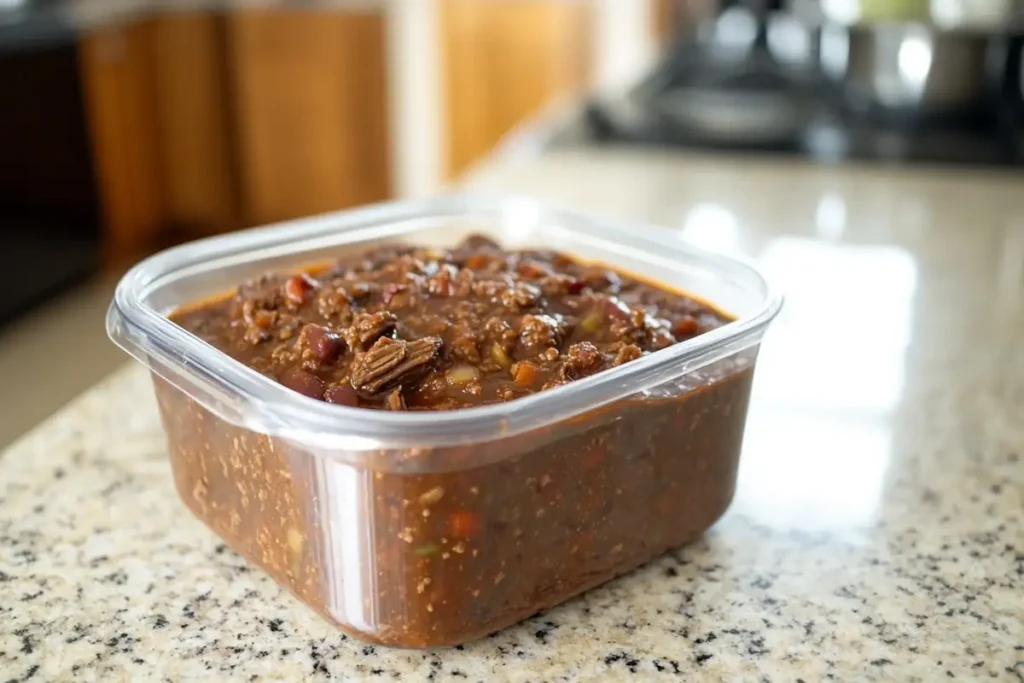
49, 213
908, 90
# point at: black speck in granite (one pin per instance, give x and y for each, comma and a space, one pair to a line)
29, 674
435, 667
847, 592
122, 642
542, 633
119, 578
631, 663
316, 657
26, 557
757, 648
78, 631
702, 657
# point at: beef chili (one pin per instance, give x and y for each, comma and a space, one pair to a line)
454, 555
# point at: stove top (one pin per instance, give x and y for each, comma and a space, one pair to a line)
707, 95
825, 138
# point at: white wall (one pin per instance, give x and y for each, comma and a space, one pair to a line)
623, 49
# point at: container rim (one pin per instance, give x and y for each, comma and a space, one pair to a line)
271, 408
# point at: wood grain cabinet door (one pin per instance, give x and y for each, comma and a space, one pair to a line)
195, 122
503, 60
311, 109
162, 139
116, 64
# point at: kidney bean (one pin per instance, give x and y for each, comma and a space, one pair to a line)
305, 383
342, 395
684, 328
325, 343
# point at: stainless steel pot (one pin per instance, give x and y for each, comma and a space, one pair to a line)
978, 16
917, 58
918, 69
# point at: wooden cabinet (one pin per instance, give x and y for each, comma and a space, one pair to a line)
311, 111
121, 109
195, 127
502, 61
158, 111
204, 122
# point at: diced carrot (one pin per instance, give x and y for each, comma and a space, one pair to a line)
526, 374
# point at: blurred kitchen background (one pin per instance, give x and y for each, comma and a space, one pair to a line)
127, 126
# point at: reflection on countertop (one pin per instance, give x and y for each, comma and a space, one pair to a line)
877, 531
818, 446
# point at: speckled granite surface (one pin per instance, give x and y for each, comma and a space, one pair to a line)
877, 533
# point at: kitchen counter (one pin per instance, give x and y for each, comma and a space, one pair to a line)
877, 531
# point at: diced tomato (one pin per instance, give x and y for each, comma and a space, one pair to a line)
478, 261
464, 524
295, 288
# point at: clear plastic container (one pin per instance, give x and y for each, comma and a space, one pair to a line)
425, 529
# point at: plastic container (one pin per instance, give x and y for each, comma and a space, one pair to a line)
427, 529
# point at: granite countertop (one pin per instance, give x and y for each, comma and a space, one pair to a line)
877, 531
